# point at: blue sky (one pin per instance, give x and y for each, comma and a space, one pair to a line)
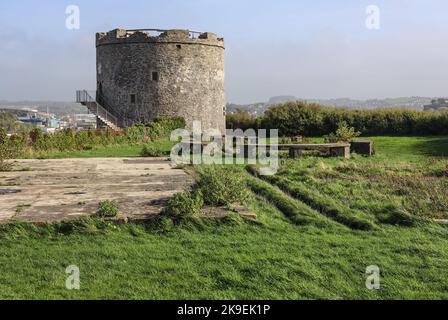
310, 49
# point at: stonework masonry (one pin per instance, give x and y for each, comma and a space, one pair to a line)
141, 76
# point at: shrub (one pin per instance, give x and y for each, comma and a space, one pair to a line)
68, 140
301, 118
162, 127
153, 150
216, 186
184, 205
222, 186
137, 133
7, 152
83, 140
344, 133
35, 135
241, 120
108, 209
3, 135
294, 119
9, 149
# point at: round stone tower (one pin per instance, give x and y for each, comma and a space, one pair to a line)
145, 74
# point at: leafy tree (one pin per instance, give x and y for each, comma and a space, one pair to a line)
241, 119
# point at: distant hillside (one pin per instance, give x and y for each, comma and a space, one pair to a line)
13, 112
281, 99
8, 119
415, 103
55, 107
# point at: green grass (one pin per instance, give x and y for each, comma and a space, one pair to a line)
407, 174
297, 211
119, 150
324, 204
271, 260
410, 148
276, 257
397, 148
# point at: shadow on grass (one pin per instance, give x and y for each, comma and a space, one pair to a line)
435, 147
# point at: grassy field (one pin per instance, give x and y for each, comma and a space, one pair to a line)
298, 248
123, 150
411, 173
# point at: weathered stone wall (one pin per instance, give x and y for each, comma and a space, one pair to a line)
141, 77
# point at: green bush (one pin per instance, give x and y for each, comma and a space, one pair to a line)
184, 205
154, 150
70, 140
344, 133
294, 119
108, 209
241, 120
222, 186
137, 133
3, 135
301, 118
216, 186
9, 149
162, 127
83, 140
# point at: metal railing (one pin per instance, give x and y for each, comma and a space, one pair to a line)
193, 34
85, 97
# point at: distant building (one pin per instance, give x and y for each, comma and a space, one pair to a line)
85, 121
52, 123
440, 104
63, 124
36, 119
33, 119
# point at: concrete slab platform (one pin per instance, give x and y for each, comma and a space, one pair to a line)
42, 191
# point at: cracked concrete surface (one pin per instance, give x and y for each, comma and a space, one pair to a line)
43, 191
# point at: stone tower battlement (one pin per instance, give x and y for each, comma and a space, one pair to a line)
157, 35
148, 73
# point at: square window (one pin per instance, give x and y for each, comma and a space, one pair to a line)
155, 76
178, 46
133, 98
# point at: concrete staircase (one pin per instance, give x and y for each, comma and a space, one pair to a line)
104, 116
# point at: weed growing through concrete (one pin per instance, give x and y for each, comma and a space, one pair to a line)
108, 209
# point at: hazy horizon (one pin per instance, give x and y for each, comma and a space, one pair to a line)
308, 49
232, 102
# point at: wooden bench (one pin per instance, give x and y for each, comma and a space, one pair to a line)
335, 149
295, 150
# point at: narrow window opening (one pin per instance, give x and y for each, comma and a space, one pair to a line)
155, 76
133, 98
178, 46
